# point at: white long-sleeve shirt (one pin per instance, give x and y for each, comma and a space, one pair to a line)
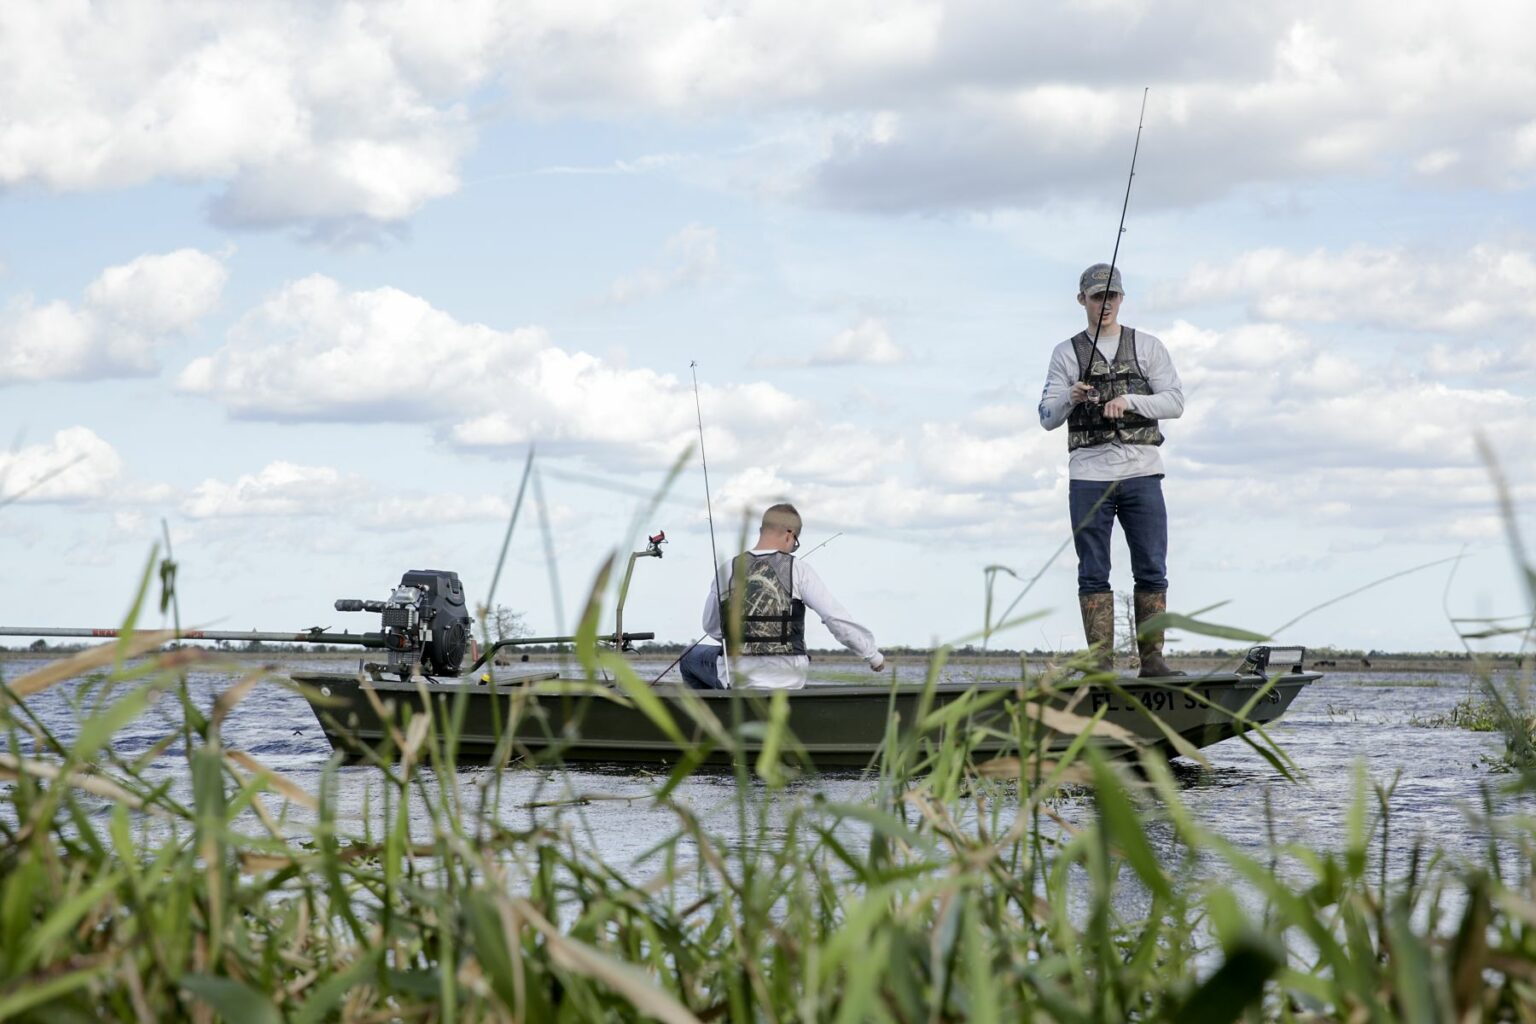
1114, 461
788, 671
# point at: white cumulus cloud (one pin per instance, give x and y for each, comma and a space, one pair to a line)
75, 466
317, 112
1026, 105
1344, 414
128, 313
278, 489
315, 351
1484, 287
690, 257
286, 489
1264, 402
347, 116
866, 343
160, 294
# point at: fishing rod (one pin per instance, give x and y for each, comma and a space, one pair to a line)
709, 507
1098, 323
1125, 205
823, 544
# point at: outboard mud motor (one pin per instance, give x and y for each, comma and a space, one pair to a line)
425, 623
425, 627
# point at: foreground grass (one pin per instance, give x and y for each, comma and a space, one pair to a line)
957, 892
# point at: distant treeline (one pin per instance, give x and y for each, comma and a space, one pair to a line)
1316, 656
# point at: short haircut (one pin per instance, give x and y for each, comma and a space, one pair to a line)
782, 517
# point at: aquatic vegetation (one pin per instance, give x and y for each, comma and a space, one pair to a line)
1472, 712
1496, 706
1478, 715
1504, 708
193, 882
1060, 888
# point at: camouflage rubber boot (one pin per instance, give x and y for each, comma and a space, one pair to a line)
1149, 642
1099, 628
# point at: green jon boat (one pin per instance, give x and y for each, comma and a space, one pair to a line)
542, 716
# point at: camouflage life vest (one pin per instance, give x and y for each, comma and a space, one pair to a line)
1088, 426
769, 619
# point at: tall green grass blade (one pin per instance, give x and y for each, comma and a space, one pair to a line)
45, 990
52, 929
1122, 826
327, 995
1173, 620
97, 731
768, 767
639, 691
234, 1001
1235, 987
136, 607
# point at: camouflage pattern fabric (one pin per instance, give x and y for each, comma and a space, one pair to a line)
1088, 426
1099, 628
771, 620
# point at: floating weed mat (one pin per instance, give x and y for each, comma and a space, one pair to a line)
1066, 886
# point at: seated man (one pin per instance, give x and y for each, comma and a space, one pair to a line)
767, 591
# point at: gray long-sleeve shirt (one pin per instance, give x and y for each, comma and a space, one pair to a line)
1114, 461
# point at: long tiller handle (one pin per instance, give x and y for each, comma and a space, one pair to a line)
313, 636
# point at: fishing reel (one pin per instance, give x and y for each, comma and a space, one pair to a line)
425, 624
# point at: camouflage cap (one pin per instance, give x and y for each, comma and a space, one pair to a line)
1099, 278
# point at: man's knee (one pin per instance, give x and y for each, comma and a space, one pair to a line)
1150, 573
699, 669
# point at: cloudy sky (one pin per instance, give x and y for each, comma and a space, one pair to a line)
304, 281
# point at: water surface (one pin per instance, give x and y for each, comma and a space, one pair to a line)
1342, 722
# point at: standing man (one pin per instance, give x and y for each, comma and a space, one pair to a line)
767, 591
1111, 385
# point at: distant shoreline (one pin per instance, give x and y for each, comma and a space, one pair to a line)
1321, 661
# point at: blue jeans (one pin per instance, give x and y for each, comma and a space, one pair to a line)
699, 667
1138, 504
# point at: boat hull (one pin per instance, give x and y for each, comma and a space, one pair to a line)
832, 726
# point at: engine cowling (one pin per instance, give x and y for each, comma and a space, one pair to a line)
445, 615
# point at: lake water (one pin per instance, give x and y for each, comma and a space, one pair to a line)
1342, 721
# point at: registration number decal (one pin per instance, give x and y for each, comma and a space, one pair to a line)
1162, 700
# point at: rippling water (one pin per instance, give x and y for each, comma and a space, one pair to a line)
1340, 722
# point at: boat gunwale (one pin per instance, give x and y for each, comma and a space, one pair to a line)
819, 691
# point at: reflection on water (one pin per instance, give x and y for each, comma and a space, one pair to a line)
1338, 723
